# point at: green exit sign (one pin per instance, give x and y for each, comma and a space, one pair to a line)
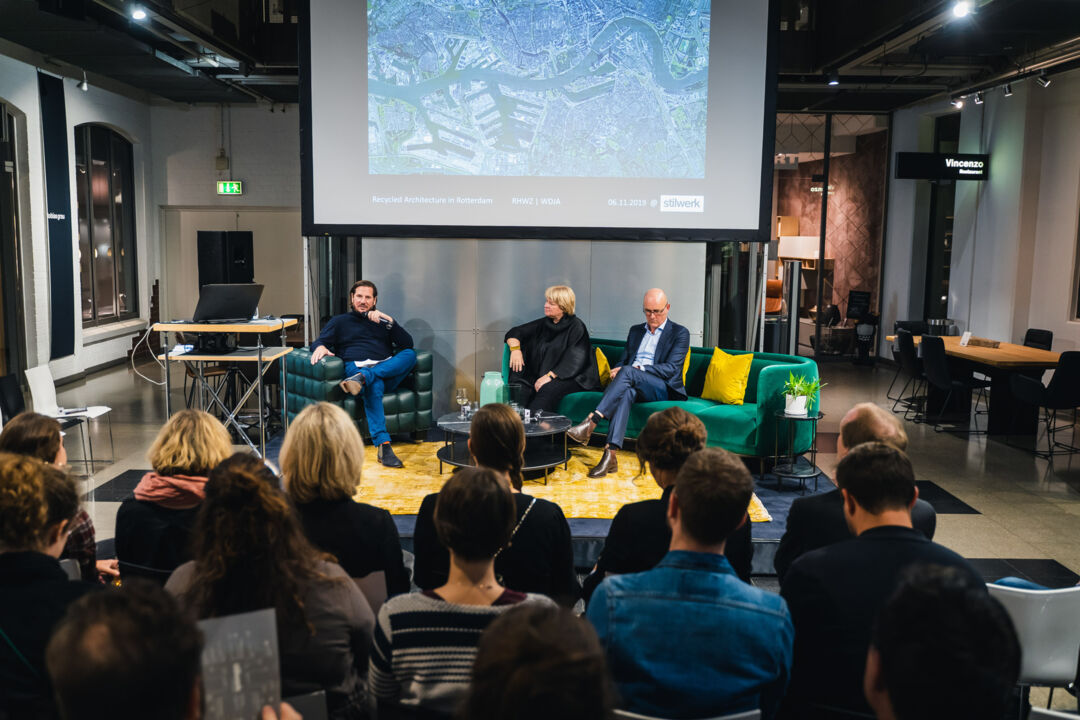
230, 187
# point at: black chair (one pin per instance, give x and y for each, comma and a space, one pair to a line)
1041, 339
915, 327
1061, 393
912, 366
936, 368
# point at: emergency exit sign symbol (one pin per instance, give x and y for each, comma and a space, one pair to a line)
230, 187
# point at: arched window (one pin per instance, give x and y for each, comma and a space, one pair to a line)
105, 185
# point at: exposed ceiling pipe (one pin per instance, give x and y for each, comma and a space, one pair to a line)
194, 54
1057, 58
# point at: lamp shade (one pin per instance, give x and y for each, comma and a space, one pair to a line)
798, 247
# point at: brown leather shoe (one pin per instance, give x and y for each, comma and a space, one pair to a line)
352, 385
608, 464
580, 433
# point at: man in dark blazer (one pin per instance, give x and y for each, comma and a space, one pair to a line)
835, 592
650, 370
818, 520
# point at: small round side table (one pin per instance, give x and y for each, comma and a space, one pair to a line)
791, 465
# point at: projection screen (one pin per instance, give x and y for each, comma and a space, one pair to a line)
537, 118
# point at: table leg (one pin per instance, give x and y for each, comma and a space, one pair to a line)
262, 420
1009, 416
168, 388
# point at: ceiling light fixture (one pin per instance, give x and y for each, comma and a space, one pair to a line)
1007, 90
137, 12
979, 98
962, 8
832, 78
1043, 80
84, 86
957, 103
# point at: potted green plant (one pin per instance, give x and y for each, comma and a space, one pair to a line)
799, 393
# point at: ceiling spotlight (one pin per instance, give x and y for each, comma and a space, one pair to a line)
1007, 90
137, 12
962, 8
84, 86
979, 98
1043, 80
957, 103
832, 77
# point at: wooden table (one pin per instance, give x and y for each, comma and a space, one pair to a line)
261, 355
1007, 416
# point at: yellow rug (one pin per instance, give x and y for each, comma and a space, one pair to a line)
400, 491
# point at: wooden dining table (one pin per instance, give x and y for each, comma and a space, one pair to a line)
1007, 415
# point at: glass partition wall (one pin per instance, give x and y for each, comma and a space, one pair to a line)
829, 193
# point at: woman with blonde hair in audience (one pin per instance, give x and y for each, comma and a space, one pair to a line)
38, 503
153, 529
425, 642
639, 535
39, 436
250, 553
322, 459
539, 557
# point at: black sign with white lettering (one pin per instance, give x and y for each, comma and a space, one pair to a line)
942, 166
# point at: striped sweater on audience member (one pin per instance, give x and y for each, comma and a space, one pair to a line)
424, 647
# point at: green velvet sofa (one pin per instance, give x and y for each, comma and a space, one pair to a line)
407, 408
747, 429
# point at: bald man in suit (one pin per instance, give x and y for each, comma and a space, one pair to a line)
650, 370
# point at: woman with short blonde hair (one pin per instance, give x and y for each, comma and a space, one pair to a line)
153, 528
551, 357
322, 460
322, 457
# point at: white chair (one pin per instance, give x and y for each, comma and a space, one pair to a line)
748, 715
1046, 624
43, 398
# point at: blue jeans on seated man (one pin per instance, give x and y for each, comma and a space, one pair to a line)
629, 386
379, 379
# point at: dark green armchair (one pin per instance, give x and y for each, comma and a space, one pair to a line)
407, 408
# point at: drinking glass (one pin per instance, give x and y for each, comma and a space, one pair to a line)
462, 401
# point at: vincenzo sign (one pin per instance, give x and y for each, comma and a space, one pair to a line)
942, 166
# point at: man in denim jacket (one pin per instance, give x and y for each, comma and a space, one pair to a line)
688, 639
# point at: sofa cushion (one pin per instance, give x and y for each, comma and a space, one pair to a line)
732, 427
725, 380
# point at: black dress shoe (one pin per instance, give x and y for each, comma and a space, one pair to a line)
580, 433
608, 464
387, 456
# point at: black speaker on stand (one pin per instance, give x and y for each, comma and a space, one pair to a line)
226, 257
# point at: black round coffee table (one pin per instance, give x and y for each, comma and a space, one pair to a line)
545, 442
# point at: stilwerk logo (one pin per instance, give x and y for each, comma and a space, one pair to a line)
682, 203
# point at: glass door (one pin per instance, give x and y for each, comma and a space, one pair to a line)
940, 236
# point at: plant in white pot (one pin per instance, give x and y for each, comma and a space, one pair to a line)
799, 393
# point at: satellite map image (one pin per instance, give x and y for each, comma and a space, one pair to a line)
556, 88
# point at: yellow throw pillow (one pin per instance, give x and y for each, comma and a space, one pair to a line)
603, 367
685, 366
725, 380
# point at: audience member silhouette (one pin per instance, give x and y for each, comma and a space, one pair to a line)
250, 553
538, 662
322, 459
153, 528
639, 535
818, 520
689, 639
835, 592
37, 505
942, 648
540, 556
425, 643
30, 433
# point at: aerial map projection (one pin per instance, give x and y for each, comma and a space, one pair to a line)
556, 88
